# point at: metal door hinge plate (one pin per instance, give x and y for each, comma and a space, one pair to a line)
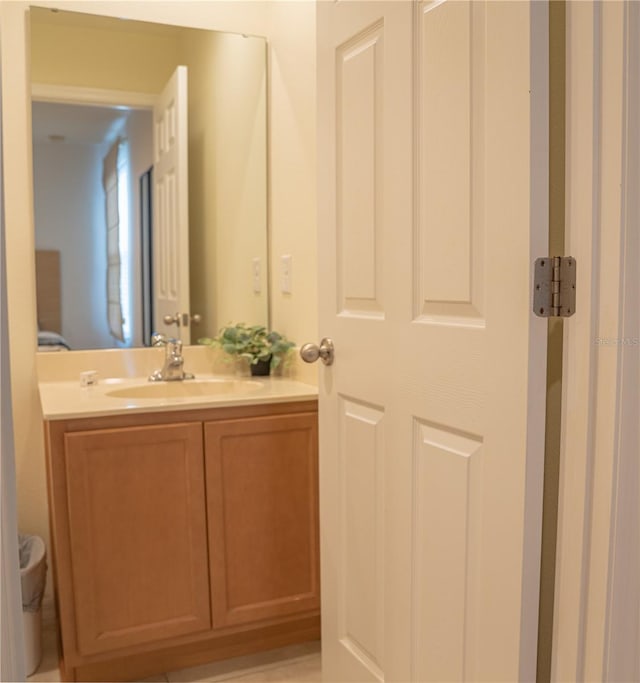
554, 287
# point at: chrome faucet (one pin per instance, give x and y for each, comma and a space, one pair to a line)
172, 370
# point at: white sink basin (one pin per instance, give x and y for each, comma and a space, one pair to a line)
188, 389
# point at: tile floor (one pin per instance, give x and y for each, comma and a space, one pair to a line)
293, 664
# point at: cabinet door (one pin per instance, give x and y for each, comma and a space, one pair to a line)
137, 528
262, 501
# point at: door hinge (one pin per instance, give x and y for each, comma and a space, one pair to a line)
554, 287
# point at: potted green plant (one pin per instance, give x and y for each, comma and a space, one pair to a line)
262, 348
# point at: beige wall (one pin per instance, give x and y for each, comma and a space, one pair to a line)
78, 55
227, 176
292, 152
290, 31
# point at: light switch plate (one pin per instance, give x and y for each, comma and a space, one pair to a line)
285, 273
256, 272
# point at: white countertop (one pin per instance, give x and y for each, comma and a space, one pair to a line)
67, 399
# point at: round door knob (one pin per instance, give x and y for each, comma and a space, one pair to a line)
311, 352
172, 319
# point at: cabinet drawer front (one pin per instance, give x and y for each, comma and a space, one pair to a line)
136, 511
262, 502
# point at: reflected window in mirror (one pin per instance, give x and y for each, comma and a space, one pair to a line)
115, 178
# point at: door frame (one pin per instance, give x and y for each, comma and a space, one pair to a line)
11, 619
595, 630
93, 97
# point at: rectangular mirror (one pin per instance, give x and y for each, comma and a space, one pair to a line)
190, 233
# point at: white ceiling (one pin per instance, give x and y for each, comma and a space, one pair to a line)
78, 124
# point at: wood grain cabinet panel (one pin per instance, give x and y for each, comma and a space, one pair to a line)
180, 538
137, 531
262, 485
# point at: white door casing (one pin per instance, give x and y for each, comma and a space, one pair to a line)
171, 207
12, 663
597, 596
433, 168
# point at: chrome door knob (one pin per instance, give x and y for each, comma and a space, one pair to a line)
182, 319
311, 352
172, 319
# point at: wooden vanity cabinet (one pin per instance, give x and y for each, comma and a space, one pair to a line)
263, 517
137, 529
180, 538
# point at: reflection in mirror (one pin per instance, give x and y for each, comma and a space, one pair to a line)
95, 83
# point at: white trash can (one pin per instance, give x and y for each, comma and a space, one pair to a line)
33, 576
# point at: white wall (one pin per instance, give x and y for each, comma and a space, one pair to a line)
70, 217
290, 31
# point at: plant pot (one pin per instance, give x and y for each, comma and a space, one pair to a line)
262, 368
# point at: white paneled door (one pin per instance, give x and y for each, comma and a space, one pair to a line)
433, 206
170, 241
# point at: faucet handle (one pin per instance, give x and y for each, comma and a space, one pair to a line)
174, 346
159, 339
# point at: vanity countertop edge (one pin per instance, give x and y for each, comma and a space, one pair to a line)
63, 400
